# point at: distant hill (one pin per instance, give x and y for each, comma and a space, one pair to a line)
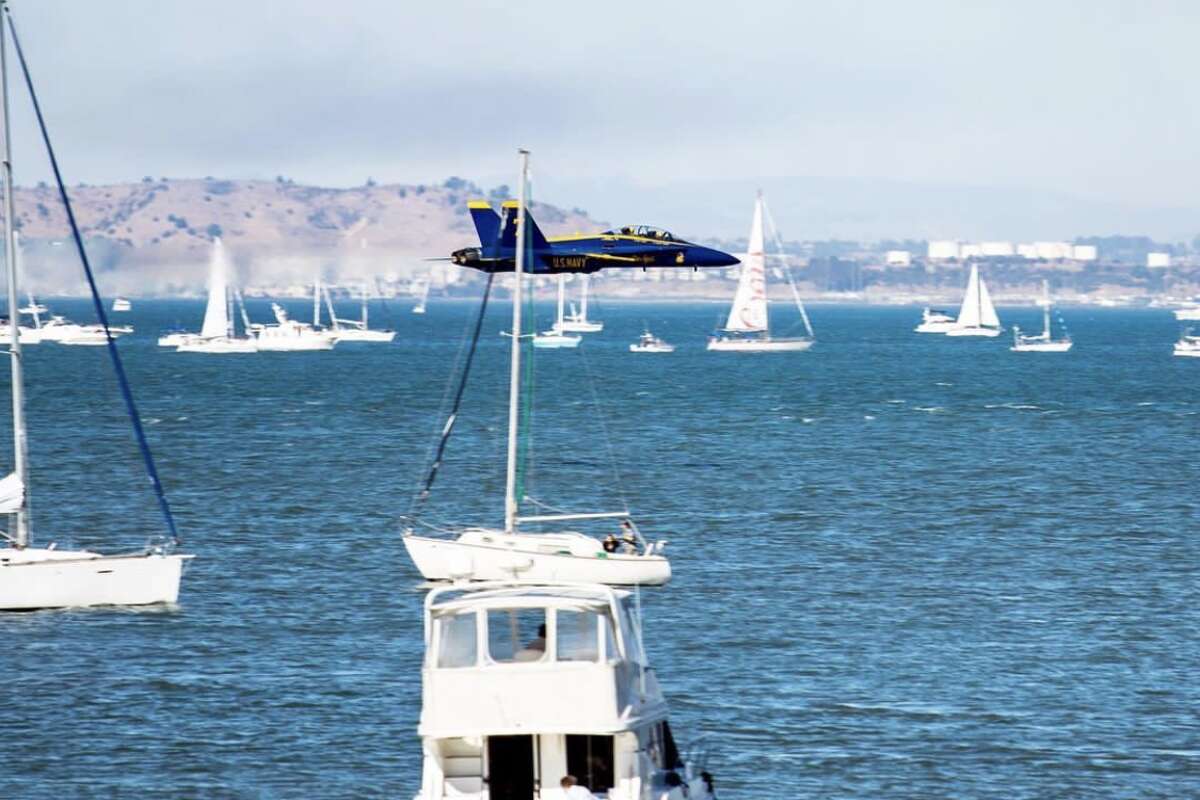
158, 231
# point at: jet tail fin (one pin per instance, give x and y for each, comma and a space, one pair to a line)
533, 234
487, 221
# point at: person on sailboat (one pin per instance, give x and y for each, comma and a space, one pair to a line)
611, 543
628, 538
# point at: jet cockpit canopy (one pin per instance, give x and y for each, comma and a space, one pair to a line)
643, 231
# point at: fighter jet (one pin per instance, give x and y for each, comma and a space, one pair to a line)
630, 246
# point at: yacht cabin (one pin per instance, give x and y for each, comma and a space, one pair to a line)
524, 684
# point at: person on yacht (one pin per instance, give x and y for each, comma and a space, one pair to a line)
535, 649
571, 790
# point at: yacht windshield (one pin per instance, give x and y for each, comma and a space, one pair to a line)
516, 634
456, 641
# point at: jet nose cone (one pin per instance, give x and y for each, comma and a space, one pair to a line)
716, 258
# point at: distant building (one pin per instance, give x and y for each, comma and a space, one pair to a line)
939, 250
1158, 260
1000, 249
1027, 251
898, 258
1053, 251
1083, 252
970, 251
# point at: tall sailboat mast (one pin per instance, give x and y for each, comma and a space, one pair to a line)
1046, 309
514, 385
20, 440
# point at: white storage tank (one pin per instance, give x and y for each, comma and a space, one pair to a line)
943, 249
1158, 260
898, 258
1083, 252
999, 249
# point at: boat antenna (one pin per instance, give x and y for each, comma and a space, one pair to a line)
514, 385
20, 439
118, 367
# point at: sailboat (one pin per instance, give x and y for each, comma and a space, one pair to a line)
217, 334
357, 330
977, 316
46, 577
747, 330
509, 553
121, 304
577, 321
556, 337
422, 298
1041, 343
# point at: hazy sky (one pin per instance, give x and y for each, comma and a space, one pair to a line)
1093, 99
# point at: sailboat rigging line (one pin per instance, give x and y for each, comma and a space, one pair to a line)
787, 270
608, 446
458, 394
118, 367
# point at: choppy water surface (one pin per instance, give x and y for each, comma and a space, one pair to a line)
906, 566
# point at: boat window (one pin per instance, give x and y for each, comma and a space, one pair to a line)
633, 650
517, 634
590, 759
578, 636
456, 640
611, 653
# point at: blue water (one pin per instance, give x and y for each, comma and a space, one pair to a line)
906, 566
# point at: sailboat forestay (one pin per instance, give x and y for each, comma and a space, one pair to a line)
977, 316
747, 329
1041, 343
484, 554
46, 577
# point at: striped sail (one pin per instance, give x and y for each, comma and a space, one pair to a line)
749, 312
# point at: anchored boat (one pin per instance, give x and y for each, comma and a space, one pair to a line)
1042, 342
934, 321
46, 577
977, 316
527, 688
556, 337
747, 330
507, 553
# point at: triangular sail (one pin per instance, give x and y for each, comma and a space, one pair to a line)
969, 312
216, 315
12, 494
749, 311
987, 311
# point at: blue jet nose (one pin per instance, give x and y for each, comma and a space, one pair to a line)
709, 257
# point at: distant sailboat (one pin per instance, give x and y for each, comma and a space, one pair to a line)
357, 330
1188, 345
121, 304
422, 298
1041, 343
747, 330
555, 337
977, 316
216, 335
577, 321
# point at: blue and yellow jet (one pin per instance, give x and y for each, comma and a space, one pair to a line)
631, 246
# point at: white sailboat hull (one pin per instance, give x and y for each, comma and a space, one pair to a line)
28, 335
357, 335
287, 344
1042, 347
1186, 348
935, 327
555, 340
759, 345
524, 556
582, 326
35, 578
86, 339
972, 331
652, 348
176, 339
1191, 314
218, 346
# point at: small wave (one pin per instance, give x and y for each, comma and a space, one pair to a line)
153, 420
1147, 403
181, 419
942, 383
895, 401
807, 420
929, 409
868, 416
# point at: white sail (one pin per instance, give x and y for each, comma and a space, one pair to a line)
12, 494
987, 311
216, 315
749, 312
